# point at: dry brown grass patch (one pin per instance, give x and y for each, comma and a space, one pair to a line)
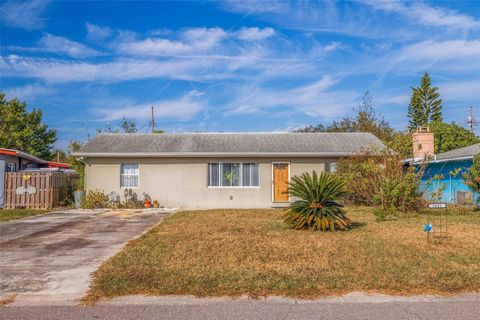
237, 252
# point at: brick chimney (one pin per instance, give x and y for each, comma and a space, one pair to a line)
423, 143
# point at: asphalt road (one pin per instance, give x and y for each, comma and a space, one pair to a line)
441, 310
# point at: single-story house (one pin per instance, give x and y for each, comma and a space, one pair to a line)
443, 171
14, 160
213, 170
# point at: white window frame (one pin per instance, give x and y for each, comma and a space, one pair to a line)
241, 176
137, 175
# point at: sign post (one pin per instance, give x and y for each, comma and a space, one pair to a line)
438, 225
437, 205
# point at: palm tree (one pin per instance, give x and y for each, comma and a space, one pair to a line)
317, 207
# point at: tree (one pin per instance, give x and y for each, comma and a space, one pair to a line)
425, 104
449, 136
23, 130
472, 176
77, 165
364, 119
128, 126
402, 144
58, 156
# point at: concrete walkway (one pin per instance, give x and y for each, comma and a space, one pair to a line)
53, 255
352, 307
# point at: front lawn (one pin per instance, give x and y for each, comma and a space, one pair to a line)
10, 214
237, 252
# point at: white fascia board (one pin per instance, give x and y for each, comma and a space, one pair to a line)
208, 154
445, 160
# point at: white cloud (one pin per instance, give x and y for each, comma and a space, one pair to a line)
194, 40
153, 47
312, 16
460, 90
257, 6
59, 45
314, 99
59, 71
427, 15
371, 19
444, 55
62, 45
97, 33
255, 34
181, 109
389, 98
248, 64
434, 56
29, 91
24, 14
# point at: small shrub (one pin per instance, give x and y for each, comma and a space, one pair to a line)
385, 214
472, 177
318, 207
379, 179
66, 196
95, 199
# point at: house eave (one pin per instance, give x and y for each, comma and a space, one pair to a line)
417, 162
210, 154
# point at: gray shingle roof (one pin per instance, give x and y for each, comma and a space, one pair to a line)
239, 144
465, 152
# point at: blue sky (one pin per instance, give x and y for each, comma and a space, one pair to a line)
234, 65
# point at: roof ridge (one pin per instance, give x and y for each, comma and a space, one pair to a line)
229, 132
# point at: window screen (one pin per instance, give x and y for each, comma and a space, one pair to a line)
129, 175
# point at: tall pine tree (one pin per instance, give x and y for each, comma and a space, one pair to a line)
425, 104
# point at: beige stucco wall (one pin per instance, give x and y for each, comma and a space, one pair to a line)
182, 182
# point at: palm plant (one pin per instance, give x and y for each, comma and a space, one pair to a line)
317, 207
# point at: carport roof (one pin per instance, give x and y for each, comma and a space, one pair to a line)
228, 144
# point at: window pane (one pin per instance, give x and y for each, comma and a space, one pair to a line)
213, 174
333, 167
129, 175
130, 168
226, 169
230, 174
236, 174
129, 181
254, 182
246, 174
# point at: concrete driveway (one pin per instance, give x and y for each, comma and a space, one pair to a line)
54, 255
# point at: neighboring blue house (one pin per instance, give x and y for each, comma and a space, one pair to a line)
445, 165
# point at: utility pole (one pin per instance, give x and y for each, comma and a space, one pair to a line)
153, 122
471, 122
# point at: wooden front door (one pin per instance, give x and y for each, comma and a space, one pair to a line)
280, 182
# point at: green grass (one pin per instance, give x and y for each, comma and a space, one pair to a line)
10, 214
252, 252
